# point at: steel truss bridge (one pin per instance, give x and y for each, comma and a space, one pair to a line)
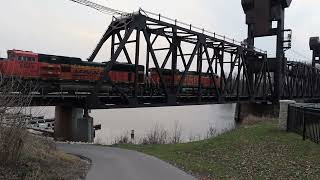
247, 74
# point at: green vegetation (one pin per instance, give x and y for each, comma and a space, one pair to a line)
258, 151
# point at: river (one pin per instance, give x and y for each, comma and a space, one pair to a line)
194, 121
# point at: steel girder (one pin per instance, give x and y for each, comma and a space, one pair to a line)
244, 73
302, 81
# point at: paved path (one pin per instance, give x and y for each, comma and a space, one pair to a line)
119, 164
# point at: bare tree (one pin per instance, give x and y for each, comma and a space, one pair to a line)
15, 95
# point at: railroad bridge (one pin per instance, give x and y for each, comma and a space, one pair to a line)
247, 74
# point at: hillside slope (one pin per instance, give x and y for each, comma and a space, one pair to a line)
255, 151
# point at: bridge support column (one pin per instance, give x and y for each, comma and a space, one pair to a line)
243, 110
283, 114
73, 124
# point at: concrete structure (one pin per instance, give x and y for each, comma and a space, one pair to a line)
243, 110
279, 111
283, 114
73, 124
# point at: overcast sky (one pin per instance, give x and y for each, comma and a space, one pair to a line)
66, 28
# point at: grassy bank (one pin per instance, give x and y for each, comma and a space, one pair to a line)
256, 151
40, 160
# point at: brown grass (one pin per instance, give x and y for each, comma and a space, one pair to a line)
252, 120
12, 140
42, 161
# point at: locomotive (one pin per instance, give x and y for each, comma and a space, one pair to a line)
62, 69
29, 65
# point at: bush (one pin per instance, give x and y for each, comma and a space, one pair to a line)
123, 139
157, 135
16, 95
175, 137
40, 160
12, 140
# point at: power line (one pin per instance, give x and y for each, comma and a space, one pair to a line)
98, 7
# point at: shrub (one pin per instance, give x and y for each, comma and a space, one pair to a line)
157, 135
16, 95
176, 134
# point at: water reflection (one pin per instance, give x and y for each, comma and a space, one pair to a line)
193, 120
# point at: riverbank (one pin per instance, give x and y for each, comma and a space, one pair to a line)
39, 159
253, 151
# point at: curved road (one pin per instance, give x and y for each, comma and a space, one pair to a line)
119, 164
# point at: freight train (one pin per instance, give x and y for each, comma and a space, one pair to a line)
29, 65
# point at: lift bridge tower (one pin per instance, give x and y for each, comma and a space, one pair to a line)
266, 18
315, 48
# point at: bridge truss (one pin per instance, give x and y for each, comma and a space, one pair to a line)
213, 54
246, 74
301, 82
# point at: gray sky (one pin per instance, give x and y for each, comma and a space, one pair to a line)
65, 28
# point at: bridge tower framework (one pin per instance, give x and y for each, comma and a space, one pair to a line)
266, 18
315, 48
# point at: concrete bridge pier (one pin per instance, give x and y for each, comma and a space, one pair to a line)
73, 124
243, 110
283, 114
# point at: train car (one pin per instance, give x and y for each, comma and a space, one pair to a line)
191, 79
207, 81
56, 67
125, 73
29, 65
167, 75
20, 63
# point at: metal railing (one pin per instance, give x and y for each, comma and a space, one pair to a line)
305, 120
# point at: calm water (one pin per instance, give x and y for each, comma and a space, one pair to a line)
194, 121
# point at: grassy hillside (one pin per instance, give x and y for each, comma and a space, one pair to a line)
40, 160
257, 151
